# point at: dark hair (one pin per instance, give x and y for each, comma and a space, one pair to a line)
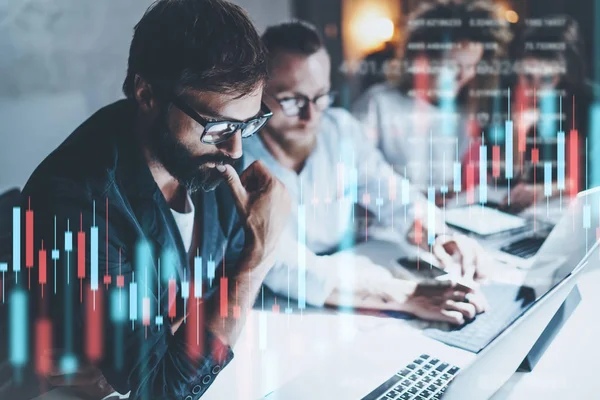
207, 45
295, 36
565, 33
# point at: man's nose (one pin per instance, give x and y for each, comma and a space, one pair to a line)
233, 146
308, 111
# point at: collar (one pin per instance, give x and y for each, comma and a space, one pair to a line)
131, 167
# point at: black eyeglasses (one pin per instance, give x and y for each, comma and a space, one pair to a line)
542, 80
215, 132
292, 106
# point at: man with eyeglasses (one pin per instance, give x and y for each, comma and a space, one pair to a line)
138, 187
320, 155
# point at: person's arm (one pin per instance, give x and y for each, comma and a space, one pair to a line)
175, 360
345, 279
433, 300
525, 195
320, 275
382, 190
324, 275
242, 291
263, 204
420, 220
152, 360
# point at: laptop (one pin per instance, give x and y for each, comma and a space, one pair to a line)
525, 240
383, 366
398, 362
481, 378
483, 221
564, 247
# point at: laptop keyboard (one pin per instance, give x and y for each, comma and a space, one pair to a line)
507, 303
425, 378
524, 248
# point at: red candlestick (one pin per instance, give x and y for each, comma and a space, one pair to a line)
172, 300
224, 303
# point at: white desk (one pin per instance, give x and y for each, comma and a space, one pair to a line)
274, 348
570, 364
294, 342
567, 370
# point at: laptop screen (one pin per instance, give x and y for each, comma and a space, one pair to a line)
568, 243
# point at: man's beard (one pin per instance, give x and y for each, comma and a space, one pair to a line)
189, 170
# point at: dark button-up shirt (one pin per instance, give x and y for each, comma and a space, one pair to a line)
99, 178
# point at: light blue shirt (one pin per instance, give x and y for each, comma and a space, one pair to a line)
414, 136
343, 169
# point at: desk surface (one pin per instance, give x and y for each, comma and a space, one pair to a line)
274, 348
293, 342
571, 359
565, 371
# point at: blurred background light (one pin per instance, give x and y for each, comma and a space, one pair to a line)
511, 16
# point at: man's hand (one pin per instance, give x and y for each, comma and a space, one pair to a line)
376, 289
463, 254
263, 204
523, 195
444, 301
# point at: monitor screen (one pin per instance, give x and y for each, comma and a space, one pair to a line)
568, 243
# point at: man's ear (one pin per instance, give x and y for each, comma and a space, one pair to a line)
144, 94
268, 99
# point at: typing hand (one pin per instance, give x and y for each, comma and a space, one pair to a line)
263, 204
442, 199
445, 301
462, 256
523, 195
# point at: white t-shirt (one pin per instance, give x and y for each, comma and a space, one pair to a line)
185, 222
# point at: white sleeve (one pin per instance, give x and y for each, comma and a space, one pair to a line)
393, 200
285, 277
322, 275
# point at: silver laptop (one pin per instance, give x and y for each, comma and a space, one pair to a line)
397, 362
496, 363
540, 237
403, 363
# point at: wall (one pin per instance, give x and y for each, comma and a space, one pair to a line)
61, 61
354, 15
